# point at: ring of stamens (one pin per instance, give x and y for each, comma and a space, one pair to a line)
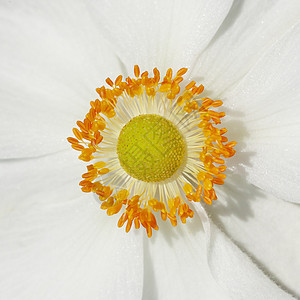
206, 147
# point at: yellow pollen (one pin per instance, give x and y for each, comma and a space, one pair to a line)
150, 148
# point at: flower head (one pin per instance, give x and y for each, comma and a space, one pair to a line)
156, 142
55, 242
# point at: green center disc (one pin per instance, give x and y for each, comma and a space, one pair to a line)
150, 148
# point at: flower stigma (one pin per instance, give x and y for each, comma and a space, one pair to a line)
160, 142
153, 146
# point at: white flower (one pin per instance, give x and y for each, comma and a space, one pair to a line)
55, 241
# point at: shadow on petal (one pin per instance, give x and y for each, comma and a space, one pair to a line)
150, 284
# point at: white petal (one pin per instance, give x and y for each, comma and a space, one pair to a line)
249, 29
162, 33
52, 59
234, 270
265, 227
264, 109
69, 251
176, 264
28, 182
55, 245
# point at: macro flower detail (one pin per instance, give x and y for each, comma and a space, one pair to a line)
155, 147
56, 241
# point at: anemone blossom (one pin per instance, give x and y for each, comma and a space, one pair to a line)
200, 90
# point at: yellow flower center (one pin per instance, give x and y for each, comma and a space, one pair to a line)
150, 148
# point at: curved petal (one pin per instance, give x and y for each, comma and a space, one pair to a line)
69, 251
37, 181
264, 109
233, 269
263, 226
52, 59
176, 265
249, 29
161, 33
57, 245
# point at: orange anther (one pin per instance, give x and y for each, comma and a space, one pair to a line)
128, 225
187, 188
169, 73
222, 131
86, 189
163, 215
207, 184
180, 101
122, 195
175, 89
117, 92
114, 209
136, 71
190, 85
177, 79
145, 74
221, 176
231, 144
200, 89
122, 219
77, 147
181, 71
173, 221
213, 194
85, 183
102, 92
149, 231
81, 126
207, 200
165, 87
222, 168
118, 80
109, 81
217, 103
198, 193
99, 165
207, 102
77, 133
72, 140
156, 74
103, 171
218, 181
201, 176
219, 160
136, 223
